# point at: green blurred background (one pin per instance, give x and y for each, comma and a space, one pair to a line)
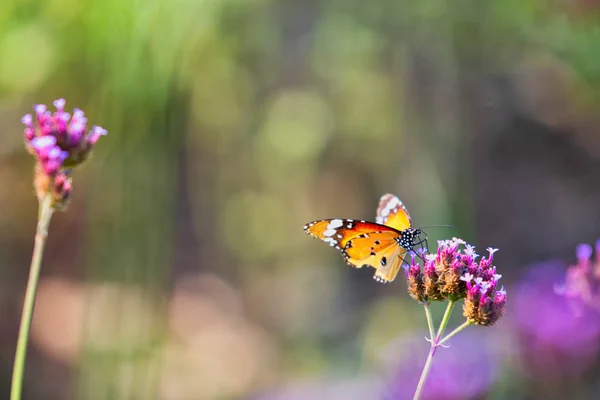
181, 271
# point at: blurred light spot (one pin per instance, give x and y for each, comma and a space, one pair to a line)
367, 104
221, 96
121, 317
255, 225
201, 301
26, 57
355, 388
57, 326
343, 43
279, 296
388, 318
298, 125
61, 12
212, 351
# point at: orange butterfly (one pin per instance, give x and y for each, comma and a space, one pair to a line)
382, 245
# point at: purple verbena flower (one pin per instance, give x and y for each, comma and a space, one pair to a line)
414, 277
554, 339
453, 273
58, 141
582, 280
67, 133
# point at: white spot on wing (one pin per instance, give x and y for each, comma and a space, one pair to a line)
329, 232
335, 223
332, 242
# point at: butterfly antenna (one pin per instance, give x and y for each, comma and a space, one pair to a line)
437, 226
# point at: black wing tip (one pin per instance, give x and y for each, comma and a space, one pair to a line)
309, 225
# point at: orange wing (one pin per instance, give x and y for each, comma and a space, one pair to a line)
379, 250
362, 243
391, 212
337, 232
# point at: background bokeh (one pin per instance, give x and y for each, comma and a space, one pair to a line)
181, 271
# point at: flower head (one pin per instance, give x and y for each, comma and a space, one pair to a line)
58, 140
67, 131
414, 278
454, 273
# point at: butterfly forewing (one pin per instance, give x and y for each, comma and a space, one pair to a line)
391, 212
337, 231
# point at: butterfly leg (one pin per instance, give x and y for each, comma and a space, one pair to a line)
425, 249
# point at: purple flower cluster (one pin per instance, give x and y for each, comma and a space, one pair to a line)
453, 274
553, 340
59, 140
582, 280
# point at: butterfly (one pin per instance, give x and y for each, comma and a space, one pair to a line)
382, 245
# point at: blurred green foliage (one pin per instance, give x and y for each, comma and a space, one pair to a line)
231, 124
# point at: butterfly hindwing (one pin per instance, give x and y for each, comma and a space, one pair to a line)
394, 259
379, 250
392, 212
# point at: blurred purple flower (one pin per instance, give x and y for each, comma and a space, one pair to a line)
58, 139
553, 338
582, 280
465, 370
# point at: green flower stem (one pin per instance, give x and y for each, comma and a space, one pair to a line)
434, 345
454, 332
429, 321
44, 216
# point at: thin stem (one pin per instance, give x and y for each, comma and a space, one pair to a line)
429, 321
454, 332
444, 323
44, 216
434, 345
424, 374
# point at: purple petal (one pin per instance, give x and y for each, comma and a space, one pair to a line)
43, 142
584, 252
98, 131
59, 104
40, 108
27, 119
